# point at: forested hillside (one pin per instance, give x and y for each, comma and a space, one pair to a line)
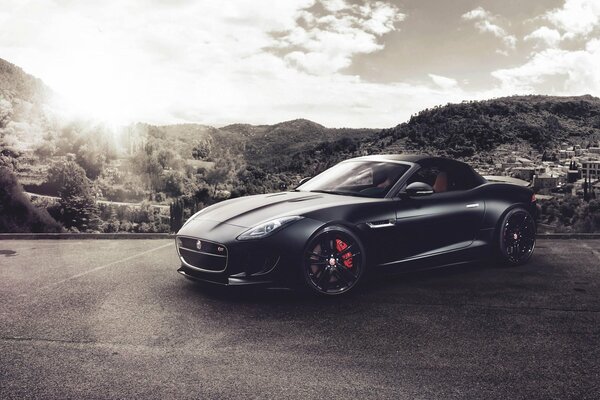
198, 164
25, 116
15, 84
464, 129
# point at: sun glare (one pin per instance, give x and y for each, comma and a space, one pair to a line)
92, 88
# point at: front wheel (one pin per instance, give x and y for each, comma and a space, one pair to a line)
516, 237
334, 261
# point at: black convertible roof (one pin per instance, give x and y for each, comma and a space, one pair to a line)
411, 158
423, 160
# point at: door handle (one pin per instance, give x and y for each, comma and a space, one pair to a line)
473, 205
381, 224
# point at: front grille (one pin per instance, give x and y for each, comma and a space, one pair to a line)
203, 254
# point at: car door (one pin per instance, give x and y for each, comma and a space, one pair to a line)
443, 221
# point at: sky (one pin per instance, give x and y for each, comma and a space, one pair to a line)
341, 63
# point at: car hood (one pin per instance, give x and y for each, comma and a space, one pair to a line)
249, 211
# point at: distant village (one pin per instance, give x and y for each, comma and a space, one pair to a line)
567, 170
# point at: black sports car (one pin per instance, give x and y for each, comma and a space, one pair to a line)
387, 212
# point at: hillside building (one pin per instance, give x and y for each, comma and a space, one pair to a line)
524, 161
524, 173
545, 181
509, 165
566, 154
527, 173
590, 169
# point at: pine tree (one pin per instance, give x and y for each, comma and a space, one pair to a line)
78, 208
176, 214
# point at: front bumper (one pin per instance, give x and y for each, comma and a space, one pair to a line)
271, 261
228, 281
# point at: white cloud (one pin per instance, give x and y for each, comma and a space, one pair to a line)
576, 17
555, 71
547, 36
380, 17
477, 14
444, 82
328, 43
212, 62
254, 61
551, 69
485, 22
334, 5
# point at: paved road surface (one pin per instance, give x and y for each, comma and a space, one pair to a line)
111, 319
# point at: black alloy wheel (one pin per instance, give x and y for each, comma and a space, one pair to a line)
517, 236
334, 261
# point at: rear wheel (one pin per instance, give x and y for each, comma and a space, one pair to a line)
333, 261
516, 237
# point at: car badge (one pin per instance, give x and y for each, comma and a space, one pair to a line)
199, 244
220, 249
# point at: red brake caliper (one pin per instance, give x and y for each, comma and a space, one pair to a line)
347, 257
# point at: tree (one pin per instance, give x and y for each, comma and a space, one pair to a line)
45, 149
77, 206
6, 111
148, 166
201, 150
181, 209
174, 183
17, 214
220, 173
8, 157
91, 159
80, 212
176, 215
167, 158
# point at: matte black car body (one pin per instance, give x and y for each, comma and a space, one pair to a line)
397, 232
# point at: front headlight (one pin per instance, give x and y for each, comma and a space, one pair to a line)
267, 228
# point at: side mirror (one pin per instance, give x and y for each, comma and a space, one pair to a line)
304, 180
418, 189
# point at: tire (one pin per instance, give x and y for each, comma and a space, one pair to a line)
333, 262
515, 237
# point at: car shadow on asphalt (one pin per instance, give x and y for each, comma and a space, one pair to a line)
376, 285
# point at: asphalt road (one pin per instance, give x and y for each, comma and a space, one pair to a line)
112, 319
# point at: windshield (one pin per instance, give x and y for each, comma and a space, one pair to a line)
357, 178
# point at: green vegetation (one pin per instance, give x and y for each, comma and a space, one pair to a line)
186, 167
468, 128
572, 214
17, 214
143, 218
180, 210
77, 208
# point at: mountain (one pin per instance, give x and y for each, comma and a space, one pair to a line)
24, 112
271, 147
200, 164
300, 146
462, 130
256, 131
17, 85
278, 146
